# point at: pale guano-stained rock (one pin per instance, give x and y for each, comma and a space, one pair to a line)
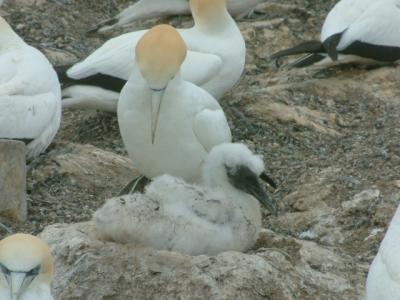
13, 205
28, 2
301, 115
363, 200
59, 57
71, 181
281, 268
86, 166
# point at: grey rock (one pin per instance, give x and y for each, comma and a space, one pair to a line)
87, 268
363, 201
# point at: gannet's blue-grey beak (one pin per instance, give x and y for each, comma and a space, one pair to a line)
18, 281
156, 98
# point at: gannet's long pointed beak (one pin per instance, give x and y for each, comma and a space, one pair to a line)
16, 282
245, 180
258, 192
156, 99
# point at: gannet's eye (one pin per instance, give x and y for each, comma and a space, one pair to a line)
34, 272
4, 270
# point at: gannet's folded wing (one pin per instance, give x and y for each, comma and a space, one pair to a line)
378, 26
390, 250
211, 128
26, 117
383, 280
342, 16
199, 68
114, 58
8, 68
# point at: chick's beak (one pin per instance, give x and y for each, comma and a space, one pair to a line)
258, 191
247, 181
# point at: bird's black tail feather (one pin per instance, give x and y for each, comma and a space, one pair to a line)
100, 80
97, 27
307, 60
306, 47
62, 74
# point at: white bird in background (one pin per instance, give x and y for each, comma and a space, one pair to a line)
26, 267
145, 9
215, 60
168, 125
30, 93
222, 214
355, 30
383, 282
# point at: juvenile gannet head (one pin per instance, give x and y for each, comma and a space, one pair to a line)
159, 55
236, 165
208, 13
23, 259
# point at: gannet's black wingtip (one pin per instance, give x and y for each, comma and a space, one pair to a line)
306, 47
97, 28
307, 60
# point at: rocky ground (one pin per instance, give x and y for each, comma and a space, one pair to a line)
329, 135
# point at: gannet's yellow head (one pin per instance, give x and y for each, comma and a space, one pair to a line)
203, 7
23, 259
208, 12
159, 55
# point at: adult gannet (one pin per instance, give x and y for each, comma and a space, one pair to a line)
26, 265
144, 9
383, 281
168, 125
221, 214
30, 94
215, 60
362, 29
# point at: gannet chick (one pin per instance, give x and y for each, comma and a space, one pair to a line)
30, 94
145, 9
26, 265
215, 60
168, 125
383, 281
354, 30
221, 214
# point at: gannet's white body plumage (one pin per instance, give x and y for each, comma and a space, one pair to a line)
356, 30
168, 125
26, 268
221, 214
367, 21
215, 60
343, 15
145, 9
30, 94
384, 274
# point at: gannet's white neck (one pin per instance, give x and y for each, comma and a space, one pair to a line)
8, 38
210, 15
159, 56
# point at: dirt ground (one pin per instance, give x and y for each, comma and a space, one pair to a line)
356, 145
